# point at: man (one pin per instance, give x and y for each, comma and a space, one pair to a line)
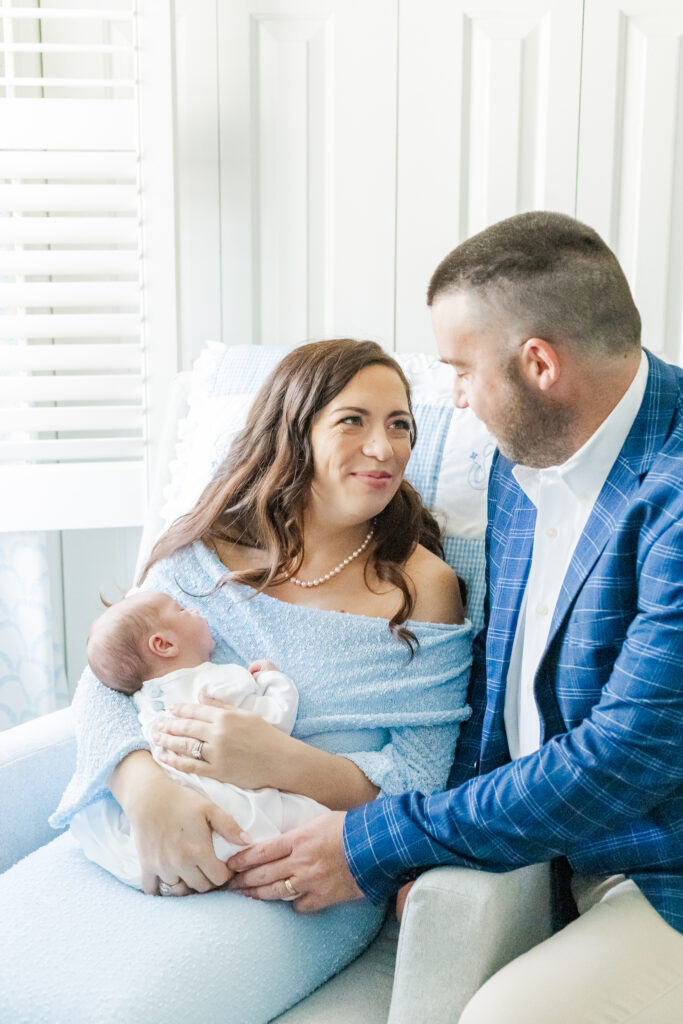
573, 751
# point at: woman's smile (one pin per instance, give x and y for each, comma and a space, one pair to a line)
373, 478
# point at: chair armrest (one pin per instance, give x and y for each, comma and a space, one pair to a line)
459, 927
36, 761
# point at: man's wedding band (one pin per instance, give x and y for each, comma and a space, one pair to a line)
292, 893
197, 750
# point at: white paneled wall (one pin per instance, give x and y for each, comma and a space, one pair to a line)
487, 127
630, 184
347, 146
307, 143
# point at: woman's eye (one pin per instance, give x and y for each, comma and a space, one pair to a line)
352, 420
402, 425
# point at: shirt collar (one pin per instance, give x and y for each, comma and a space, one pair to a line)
585, 472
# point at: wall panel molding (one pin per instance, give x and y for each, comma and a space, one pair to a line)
488, 122
631, 153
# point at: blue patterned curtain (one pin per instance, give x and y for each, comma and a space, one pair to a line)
32, 677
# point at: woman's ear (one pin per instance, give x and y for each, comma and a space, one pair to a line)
540, 363
163, 645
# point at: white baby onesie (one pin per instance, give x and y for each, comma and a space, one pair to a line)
102, 828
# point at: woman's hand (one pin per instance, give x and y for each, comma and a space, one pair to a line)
236, 746
172, 826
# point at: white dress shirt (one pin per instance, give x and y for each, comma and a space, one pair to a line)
564, 497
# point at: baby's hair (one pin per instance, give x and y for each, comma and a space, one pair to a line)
115, 645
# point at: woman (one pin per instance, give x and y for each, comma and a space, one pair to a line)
308, 548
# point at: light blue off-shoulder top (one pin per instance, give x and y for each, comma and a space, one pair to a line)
361, 694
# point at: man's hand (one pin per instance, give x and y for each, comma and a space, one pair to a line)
311, 858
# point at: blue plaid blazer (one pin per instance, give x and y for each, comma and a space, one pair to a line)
606, 788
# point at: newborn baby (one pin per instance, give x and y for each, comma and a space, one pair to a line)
151, 648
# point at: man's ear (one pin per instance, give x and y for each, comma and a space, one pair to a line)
163, 645
540, 363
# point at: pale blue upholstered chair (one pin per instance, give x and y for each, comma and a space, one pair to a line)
459, 926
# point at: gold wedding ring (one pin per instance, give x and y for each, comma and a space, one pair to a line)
292, 893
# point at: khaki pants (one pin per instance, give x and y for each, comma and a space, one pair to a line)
619, 961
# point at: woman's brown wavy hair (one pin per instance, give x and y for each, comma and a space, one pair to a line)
258, 493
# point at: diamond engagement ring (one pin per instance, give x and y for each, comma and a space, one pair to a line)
166, 888
292, 893
197, 750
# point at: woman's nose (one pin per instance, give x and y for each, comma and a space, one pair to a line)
378, 445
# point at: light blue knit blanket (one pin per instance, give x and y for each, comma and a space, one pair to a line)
360, 694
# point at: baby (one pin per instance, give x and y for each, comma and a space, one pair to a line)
151, 648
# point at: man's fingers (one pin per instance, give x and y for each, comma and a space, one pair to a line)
262, 853
272, 873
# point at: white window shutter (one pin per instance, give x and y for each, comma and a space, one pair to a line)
75, 378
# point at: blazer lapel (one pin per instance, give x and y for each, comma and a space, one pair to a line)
644, 441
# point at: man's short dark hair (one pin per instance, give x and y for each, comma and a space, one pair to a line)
549, 275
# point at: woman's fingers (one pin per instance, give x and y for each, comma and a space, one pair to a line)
187, 728
150, 883
183, 763
201, 712
179, 752
227, 827
178, 888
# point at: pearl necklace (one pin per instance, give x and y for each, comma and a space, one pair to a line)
337, 568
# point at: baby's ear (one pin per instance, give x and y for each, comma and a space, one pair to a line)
162, 645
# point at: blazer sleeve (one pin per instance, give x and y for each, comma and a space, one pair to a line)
580, 787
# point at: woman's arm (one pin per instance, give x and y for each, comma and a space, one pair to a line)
241, 748
172, 825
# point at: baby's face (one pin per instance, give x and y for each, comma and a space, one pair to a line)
191, 629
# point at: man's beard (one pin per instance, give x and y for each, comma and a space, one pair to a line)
534, 431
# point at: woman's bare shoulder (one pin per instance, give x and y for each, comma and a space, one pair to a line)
437, 590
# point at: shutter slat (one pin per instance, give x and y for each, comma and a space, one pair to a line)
70, 325
80, 419
81, 166
86, 293
88, 448
70, 83
73, 388
70, 231
68, 263
70, 357
69, 198
59, 13
82, 48
99, 231
68, 124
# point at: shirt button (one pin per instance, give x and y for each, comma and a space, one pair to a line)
541, 609
551, 532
